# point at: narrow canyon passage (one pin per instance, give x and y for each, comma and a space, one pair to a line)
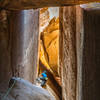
63, 42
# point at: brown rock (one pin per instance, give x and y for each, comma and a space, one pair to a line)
30, 4
69, 70
5, 58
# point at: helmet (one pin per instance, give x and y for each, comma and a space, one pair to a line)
45, 71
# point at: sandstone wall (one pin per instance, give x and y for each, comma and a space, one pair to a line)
5, 50
49, 29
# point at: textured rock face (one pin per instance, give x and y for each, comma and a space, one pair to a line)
44, 18
24, 90
30, 4
5, 39
24, 28
50, 38
49, 44
91, 53
18, 45
69, 70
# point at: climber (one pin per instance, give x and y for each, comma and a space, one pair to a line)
43, 78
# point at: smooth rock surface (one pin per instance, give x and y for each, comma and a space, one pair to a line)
24, 90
